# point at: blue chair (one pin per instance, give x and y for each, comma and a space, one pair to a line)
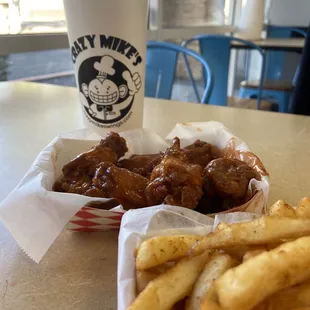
275, 59
273, 88
281, 93
161, 62
216, 50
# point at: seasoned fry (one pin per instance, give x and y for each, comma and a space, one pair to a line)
236, 252
215, 267
260, 231
254, 251
282, 209
158, 250
221, 225
303, 208
208, 304
297, 296
273, 245
172, 286
143, 278
287, 265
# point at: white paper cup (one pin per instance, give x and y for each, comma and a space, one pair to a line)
108, 45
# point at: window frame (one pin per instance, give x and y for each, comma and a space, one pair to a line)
20, 43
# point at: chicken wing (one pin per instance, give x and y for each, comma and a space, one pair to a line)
198, 153
78, 173
228, 178
125, 186
141, 164
116, 143
225, 185
174, 181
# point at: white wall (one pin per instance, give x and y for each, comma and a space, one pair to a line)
289, 13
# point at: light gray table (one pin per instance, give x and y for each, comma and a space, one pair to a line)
79, 271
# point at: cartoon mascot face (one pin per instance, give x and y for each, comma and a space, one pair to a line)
102, 91
104, 99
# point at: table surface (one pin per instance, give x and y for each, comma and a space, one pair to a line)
293, 44
79, 270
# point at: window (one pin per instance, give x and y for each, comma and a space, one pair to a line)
190, 13
52, 66
29, 25
31, 16
33, 34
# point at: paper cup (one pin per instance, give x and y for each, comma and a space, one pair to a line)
108, 45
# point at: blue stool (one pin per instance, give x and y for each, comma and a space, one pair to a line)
278, 91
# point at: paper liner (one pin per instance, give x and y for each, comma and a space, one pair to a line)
138, 225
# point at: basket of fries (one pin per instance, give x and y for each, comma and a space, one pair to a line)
175, 260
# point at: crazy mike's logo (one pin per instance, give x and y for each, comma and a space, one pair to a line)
107, 86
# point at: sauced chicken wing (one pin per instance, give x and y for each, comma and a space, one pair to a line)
125, 186
228, 178
198, 153
141, 164
78, 173
174, 181
88, 162
116, 143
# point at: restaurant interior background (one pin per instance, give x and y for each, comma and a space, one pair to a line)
33, 40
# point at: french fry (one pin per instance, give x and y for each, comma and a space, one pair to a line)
144, 277
236, 252
303, 208
294, 297
172, 286
287, 265
221, 225
282, 209
253, 251
209, 304
264, 230
158, 250
273, 245
262, 306
214, 268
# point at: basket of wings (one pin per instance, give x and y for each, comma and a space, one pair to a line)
85, 182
